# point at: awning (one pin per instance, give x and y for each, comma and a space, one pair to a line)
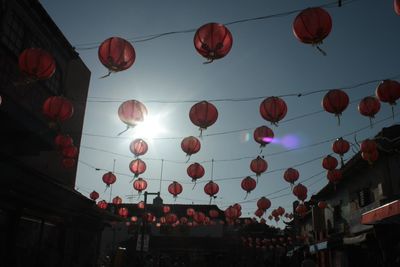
383, 212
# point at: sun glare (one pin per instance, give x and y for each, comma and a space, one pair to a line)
152, 127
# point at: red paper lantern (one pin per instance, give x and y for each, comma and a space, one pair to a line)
183, 220
149, 217
334, 176
195, 171
264, 203
335, 102
166, 209
301, 209
273, 109
211, 188
57, 108
102, 204
368, 146
248, 184
116, 54
190, 145
312, 26
140, 205
322, 205
369, 106
291, 175
259, 213
123, 212
213, 213
388, 91
258, 166
94, 195
175, 189
341, 147
213, 41
237, 206
117, 200
171, 218
140, 185
68, 163
190, 212
36, 64
231, 213
203, 114
396, 6
132, 112
371, 157
199, 217
62, 141
138, 147
329, 163
109, 178
70, 151
263, 135
275, 213
134, 219
280, 211
137, 167
300, 191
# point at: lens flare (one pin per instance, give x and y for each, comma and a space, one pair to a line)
245, 137
290, 141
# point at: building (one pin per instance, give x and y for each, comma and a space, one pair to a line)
43, 220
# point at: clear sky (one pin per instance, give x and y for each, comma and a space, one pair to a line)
266, 60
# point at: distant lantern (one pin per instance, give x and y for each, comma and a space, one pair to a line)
334, 176
139, 185
123, 212
195, 171
117, 200
312, 26
396, 6
132, 112
36, 64
248, 184
190, 212
300, 191
94, 195
341, 147
134, 219
213, 41
264, 203
171, 218
213, 213
237, 206
140, 205
109, 178
138, 147
62, 141
335, 102
190, 145
329, 163
137, 167
259, 213
258, 166
388, 91
68, 163
166, 209
301, 209
231, 213
57, 108
203, 114
175, 189
291, 175
116, 54
371, 157
273, 109
322, 205
211, 189
263, 135
369, 106
368, 146
183, 220
70, 151
199, 217
102, 204
280, 211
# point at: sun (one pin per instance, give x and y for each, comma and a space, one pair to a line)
151, 128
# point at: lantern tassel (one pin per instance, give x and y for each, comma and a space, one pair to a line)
105, 76
210, 60
210, 200
338, 119
320, 50
393, 110
194, 184
201, 133
341, 161
127, 128
257, 178
370, 122
247, 193
188, 158
107, 186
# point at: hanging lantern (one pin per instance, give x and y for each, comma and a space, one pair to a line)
396, 6
259, 213
368, 107
213, 213
275, 213
183, 220
36, 64
166, 209
329, 163
109, 178
203, 114
322, 205
388, 91
273, 109
190, 212
132, 112
300, 191
57, 108
134, 219
149, 217
258, 166
301, 209
138, 147
140, 185
123, 212
312, 26
102, 204
68, 163
62, 141
368, 146
371, 157
248, 184
334, 176
280, 211
137, 167
190, 145
195, 171
264, 203
231, 213
175, 189
341, 147
263, 135
94, 195
117, 200
171, 218
211, 189
291, 175
116, 54
335, 102
199, 217
70, 151
237, 206
140, 205
213, 41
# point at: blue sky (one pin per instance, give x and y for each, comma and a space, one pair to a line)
265, 60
